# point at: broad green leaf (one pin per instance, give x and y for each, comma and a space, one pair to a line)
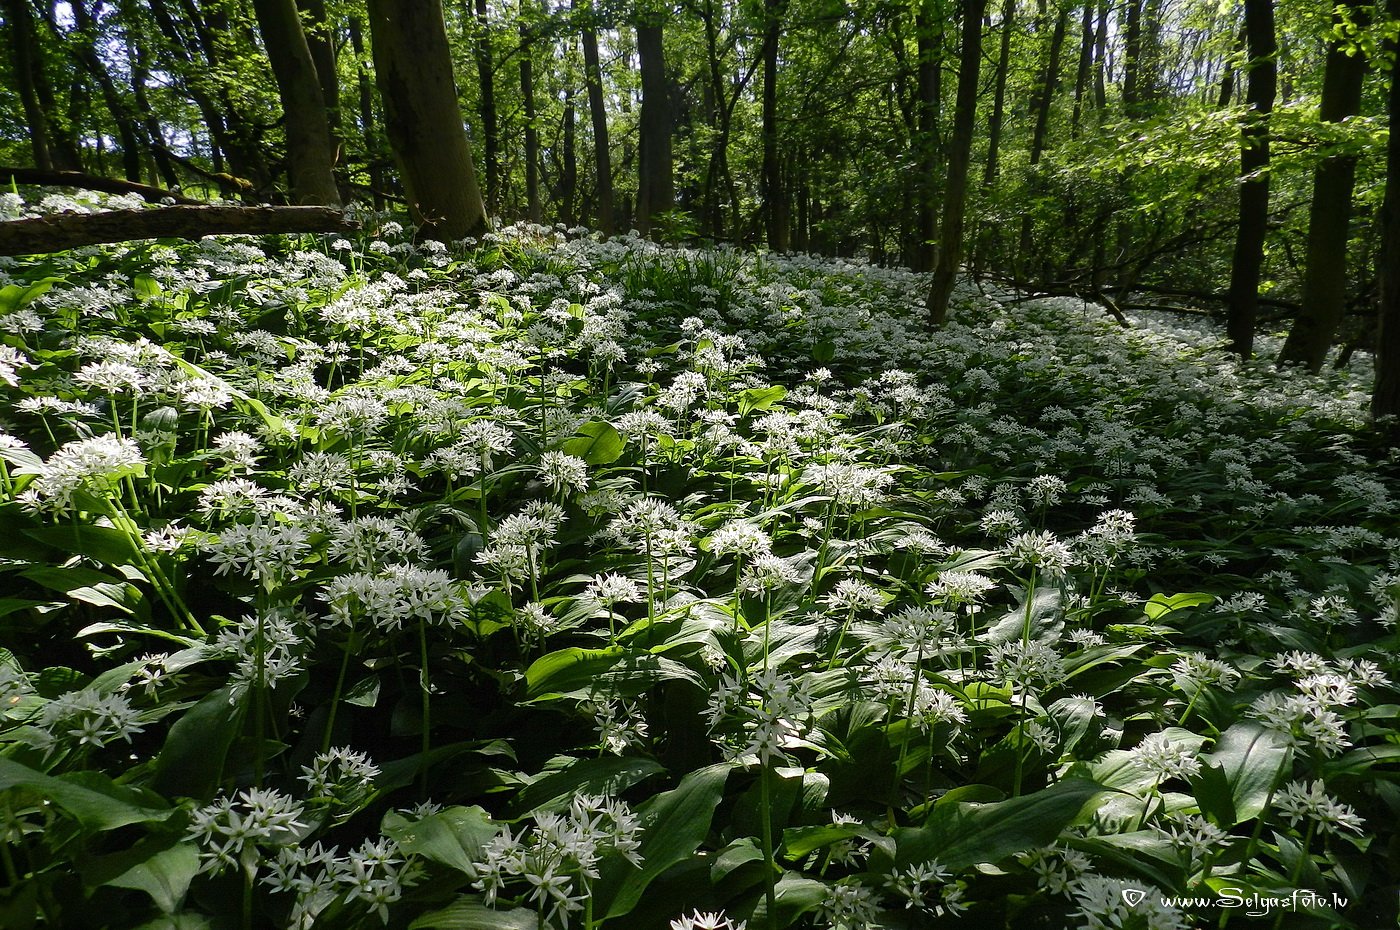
1159, 605
794, 896
759, 399
468, 913
1237, 776
104, 544
567, 669
596, 442
191, 764
609, 775
87, 585
163, 872
674, 824
960, 835
88, 797
455, 837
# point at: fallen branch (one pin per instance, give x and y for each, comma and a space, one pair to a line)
71, 230
92, 182
231, 185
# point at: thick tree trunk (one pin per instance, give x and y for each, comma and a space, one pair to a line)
1385, 396
1132, 59
950, 246
1254, 163
490, 126
774, 198
656, 186
532, 131
24, 55
1101, 59
413, 65
598, 115
310, 152
1329, 217
71, 230
321, 41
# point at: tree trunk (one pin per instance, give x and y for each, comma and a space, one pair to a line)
1101, 59
1385, 396
950, 246
532, 131
1262, 71
1083, 69
365, 92
598, 114
1227, 79
321, 41
83, 45
771, 186
1132, 59
24, 53
490, 127
928, 29
413, 66
310, 152
655, 187
60, 231
1044, 98
998, 116
568, 181
1329, 217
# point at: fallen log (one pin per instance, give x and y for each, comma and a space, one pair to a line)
92, 182
61, 231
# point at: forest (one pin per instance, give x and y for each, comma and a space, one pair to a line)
699, 465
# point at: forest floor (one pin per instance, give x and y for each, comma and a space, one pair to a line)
360, 582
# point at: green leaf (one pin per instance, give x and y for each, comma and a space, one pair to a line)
596, 442
674, 824
163, 870
104, 544
468, 913
567, 669
87, 585
758, 399
1237, 776
145, 287
824, 351
1159, 605
959, 835
455, 837
191, 763
88, 797
610, 775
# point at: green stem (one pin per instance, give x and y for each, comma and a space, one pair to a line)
423, 683
770, 892
335, 698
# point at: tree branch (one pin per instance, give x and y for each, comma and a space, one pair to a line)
72, 230
92, 182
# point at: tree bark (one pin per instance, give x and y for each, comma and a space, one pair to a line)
82, 42
928, 28
73, 230
365, 92
1248, 258
321, 41
1132, 59
19, 27
310, 152
1082, 70
1044, 98
656, 186
598, 114
413, 66
950, 247
771, 186
1329, 216
90, 182
1385, 395
998, 115
532, 131
490, 126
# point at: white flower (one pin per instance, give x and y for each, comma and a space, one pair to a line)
1161, 758
1301, 800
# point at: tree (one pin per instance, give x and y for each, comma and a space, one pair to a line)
1262, 71
1385, 396
1329, 217
413, 68
310, 152
775, 206
598, 115
655, 182
950, 237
